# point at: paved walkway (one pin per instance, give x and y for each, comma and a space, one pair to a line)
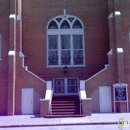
31, 120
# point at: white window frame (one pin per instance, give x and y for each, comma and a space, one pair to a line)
70, 32
66, 86
0, 47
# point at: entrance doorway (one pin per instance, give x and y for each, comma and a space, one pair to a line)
27, 101
105, 99
66, 86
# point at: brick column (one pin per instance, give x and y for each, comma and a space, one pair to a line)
119, 47
12, 58
44, 107
11, 68
112, 56
87, 106
120, 59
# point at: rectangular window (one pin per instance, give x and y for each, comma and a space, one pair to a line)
53, 49
78, 49
65, 50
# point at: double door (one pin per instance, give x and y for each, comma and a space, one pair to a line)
66, 86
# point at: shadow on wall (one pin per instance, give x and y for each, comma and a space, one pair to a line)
36, 106
95, 102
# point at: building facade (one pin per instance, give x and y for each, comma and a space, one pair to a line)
64, 48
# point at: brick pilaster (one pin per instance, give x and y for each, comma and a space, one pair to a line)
44, 107
87, 107
120, 58
11, 68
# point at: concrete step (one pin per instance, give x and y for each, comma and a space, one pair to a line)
65, 107
59, 116
65, 113
65, 110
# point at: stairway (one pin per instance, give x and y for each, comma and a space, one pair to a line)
65, 106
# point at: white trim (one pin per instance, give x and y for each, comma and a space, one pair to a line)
82, 92
26, 68
19, 18
64, 31
129, 40
12, 16
88, 98
117, 13
48, 95
110, 52
110, 16
65, 17
64, 11
119, 84
82, 84
58, 66
11, 53
21, 54
120, 50
44, 99
106, 66
0, 46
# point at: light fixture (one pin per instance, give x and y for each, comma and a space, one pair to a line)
65, 69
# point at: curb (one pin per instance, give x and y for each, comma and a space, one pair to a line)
37, 125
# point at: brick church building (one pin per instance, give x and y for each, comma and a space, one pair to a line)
64, 57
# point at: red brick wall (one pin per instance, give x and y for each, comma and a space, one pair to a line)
4, 29
35, 18
27, 80
125, 17
99, 80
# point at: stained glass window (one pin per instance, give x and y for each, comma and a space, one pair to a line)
65, 49
65, 44
72, 86
53, 25
65, 25
78, 49
63, 86
59, 86
77, 24
53, 49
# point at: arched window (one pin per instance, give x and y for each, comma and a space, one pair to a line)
65, 25
53, 25
77, 24
0, 47
65, 41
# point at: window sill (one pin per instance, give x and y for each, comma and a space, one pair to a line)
58, 66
